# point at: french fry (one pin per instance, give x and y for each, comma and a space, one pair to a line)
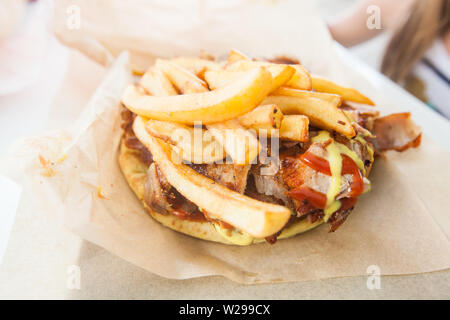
301, 79
295, 128
196, 65
220, 105
240, 144
156, 83
137, 72
348, 94
182, 79
334, 99
194, 145
257, 218
236, 55
280, 73
321, 113
220, 78
263, 117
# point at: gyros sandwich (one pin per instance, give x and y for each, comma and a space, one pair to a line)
245, 151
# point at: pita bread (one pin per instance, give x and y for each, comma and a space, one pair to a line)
135, 172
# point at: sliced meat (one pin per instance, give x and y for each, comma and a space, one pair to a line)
396, 132
273, 238
130, 139
271, 186
296, 173
284, 60
360, 148
360, 109
163, 198
229, 175
262, 197
315, 215
362, 151
268, 180
289, 144
338, 218
158, 192
127, 119
363, 115
133, 143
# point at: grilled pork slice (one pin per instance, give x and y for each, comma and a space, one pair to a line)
267, 180
363, 148
361, 114
229, 175
163, 198
338, 218
130, 138
294, 173
272, 186
396, 132
158, 192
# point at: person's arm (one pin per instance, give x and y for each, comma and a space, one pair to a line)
351, 28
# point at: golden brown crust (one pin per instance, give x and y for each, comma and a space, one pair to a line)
135, 170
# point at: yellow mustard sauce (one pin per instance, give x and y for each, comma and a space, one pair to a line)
234, 236
334, 151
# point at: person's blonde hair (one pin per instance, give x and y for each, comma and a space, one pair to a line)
427, 20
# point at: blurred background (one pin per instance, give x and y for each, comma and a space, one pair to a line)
371, 52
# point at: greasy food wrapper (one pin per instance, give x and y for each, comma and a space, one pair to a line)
401, 226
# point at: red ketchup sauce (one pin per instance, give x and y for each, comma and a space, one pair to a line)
179, 210
350, 167
318, 199
316, 163
192, 216
315, 198
347, 203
